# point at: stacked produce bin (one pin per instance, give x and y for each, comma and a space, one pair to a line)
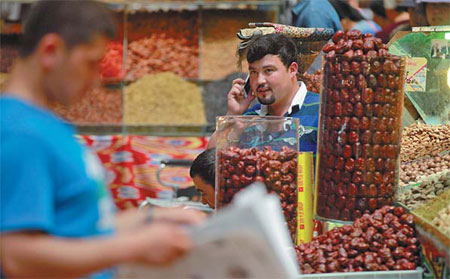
261, 149
360, 126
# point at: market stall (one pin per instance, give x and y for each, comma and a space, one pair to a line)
376, 200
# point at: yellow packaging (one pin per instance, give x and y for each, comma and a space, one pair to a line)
305, 225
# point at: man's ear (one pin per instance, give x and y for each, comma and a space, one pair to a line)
293, 68
50, 51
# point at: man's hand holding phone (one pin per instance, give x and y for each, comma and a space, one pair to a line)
238, 99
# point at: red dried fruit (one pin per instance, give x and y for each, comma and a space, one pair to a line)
337, 123
330, 56
372, 53
359, 109
372, 203
344, 95
377, 137
368, 111
377, 177
378, 110
357, 177
353, 137
340, 202
338, 109
381, 80
346, 68
356, 68
368, 177
358, 55
372, 190
338, 36
348, 55
340, 163
354, 123
347, 151
352, 190
367, 96
328, 47
348, 109
357, 44
370, 164
365, 68
376, 66
368, 45
367, 150
351, 203
372, 81
366, 137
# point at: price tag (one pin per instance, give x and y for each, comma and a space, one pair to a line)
416, 74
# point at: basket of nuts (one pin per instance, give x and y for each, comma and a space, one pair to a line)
261, 149
360, 127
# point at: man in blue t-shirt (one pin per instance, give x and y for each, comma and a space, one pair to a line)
57, 218
273, 81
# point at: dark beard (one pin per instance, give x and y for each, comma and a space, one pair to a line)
267, 101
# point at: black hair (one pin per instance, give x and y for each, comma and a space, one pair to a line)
344, 10
275, 44
377, 8
77, 22
205, 166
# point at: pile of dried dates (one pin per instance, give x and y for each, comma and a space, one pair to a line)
360, 126
238, 168
385, 240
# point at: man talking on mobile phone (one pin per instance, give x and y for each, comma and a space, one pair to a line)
273, 80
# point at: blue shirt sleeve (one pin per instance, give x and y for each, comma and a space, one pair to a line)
316, 14
26, 191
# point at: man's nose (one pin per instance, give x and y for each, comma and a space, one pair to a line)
261, 79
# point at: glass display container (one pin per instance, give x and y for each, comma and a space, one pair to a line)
261, 149
359, 133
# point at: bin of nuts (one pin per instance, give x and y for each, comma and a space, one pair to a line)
261, 149
360, 127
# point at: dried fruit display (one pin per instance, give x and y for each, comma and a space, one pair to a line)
385, 240
238, 168
219, 40
442, 221
158, 53
111, 64
360, 125
312, 81
429, 188
420, 140
162, 42
163, 99
431, 208
99, 106
411, 172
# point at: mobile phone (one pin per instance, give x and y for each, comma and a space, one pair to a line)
247, 87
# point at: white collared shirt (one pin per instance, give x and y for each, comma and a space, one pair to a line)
298, 100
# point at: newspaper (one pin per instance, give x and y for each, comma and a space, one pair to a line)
248, 239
